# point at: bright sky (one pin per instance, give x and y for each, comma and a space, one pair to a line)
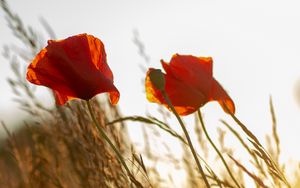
255, 46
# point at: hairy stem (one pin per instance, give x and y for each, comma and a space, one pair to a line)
106, 138
187, 137
216, 149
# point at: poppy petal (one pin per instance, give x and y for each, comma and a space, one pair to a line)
114, 96
185, 99
203, 64
167, 67
220, 95
53, 69
75, 67
42, 72
194, 71
189, 85
98, 56
152, 93
60, 98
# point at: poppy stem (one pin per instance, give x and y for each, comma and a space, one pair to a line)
187, 137
106, 138
216, 149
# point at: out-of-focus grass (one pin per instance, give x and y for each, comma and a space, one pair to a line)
60, 147
59, 153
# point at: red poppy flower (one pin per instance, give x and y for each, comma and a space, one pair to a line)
189, 84
75, 67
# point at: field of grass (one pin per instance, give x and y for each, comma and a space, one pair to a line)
62, 146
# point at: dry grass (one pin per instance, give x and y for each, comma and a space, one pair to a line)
62, 153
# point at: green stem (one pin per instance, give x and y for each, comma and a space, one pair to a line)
187, 137
106, 138
216, 149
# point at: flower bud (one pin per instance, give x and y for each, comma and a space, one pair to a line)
157, 78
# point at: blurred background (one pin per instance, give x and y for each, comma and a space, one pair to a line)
255, 46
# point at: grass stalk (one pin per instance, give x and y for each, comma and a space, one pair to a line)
216, 149
187, 137
106, 138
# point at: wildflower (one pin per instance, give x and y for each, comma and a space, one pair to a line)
189, 84
74, 67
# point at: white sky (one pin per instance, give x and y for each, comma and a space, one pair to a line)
255, 46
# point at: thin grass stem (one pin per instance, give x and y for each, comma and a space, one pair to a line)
216, 149
255, 142
106, 138
187, 137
